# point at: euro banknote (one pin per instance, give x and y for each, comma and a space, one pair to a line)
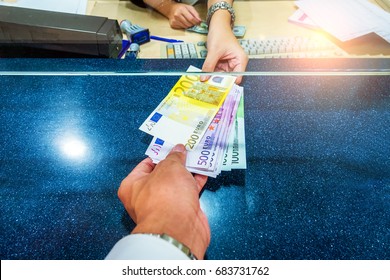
185, 113
212, 155
235, 155
159, 148
208, 155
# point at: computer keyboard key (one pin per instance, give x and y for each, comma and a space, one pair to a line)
192, 50
178, 52
267, 49
184, 50
170, 51
203, 53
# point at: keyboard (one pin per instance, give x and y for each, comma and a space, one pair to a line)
181, 50
275, 47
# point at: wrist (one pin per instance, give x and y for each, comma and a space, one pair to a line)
183, 248
220, 21
162, 224
183, 229
215, 12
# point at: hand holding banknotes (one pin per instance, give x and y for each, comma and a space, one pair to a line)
164, 198
182, 16
179, 15
208, 117
224, 53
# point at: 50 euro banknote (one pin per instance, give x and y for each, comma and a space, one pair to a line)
185, 113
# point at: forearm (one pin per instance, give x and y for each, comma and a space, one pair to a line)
162, 6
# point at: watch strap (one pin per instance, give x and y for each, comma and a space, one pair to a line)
221, 6
177, 244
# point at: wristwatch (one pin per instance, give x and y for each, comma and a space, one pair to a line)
221, 6
177, 244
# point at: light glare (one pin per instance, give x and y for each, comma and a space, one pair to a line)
74, 148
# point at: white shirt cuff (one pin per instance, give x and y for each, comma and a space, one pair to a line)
145, 247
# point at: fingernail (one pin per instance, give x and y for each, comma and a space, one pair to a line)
179, 148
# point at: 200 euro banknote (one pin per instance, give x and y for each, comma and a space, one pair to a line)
186, 112
158, 148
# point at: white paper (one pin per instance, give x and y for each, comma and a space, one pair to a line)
347, 19
299, 17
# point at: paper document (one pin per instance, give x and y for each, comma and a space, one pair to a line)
347, 19
299, 17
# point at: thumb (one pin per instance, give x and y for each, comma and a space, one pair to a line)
178, 153
208, 66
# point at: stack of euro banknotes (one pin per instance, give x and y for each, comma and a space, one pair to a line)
206, 117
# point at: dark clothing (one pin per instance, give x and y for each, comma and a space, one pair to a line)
139, 3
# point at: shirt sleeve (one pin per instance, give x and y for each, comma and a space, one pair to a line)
145, 247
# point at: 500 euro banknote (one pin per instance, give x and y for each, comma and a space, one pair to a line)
208, 155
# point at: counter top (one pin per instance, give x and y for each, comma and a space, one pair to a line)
317, 184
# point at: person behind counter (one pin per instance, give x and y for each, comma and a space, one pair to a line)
224, 52
163, 201
180, 14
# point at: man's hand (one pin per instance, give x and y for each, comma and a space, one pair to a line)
164, 198
224, 53
182, 16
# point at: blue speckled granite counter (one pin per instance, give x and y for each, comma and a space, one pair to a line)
318, 150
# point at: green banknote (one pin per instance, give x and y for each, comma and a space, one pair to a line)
202, 28
235, 154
